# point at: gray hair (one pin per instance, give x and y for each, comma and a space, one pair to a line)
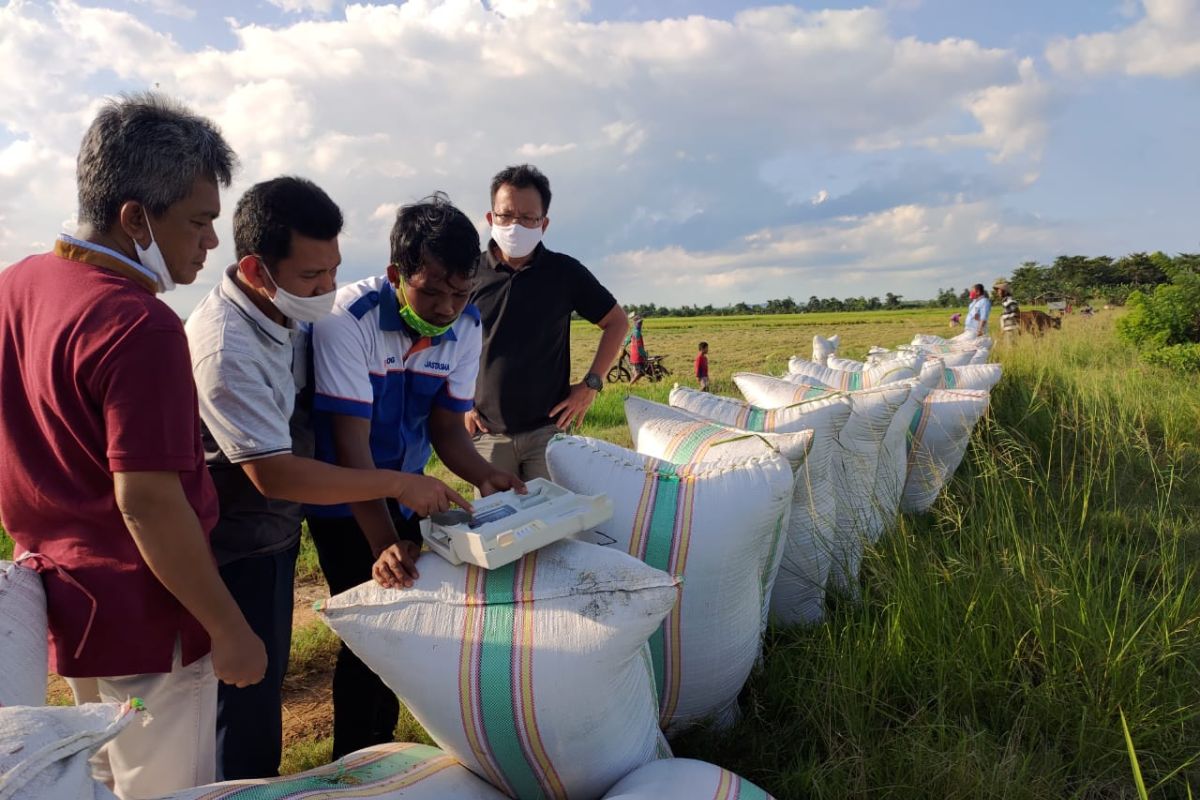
148, 148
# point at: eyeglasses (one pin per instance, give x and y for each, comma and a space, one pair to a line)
509, 219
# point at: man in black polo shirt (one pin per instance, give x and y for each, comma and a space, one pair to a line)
526, 295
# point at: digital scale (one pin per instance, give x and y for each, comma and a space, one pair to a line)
507, 525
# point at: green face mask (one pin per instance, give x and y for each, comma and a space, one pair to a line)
414, 321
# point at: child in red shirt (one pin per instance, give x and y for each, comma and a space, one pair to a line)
702, 366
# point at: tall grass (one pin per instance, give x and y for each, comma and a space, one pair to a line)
1007, 638
1051, 590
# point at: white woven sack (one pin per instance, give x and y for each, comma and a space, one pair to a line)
850, 365
958, 358
679, 437
927, 338
888, 372
981, 355
952, 346
865, 508
893, 461
684, 779
535, 676
44, 750
860, 519
799, 594
845, 364
396, 771
981, 377
885, 490
24, 652
824, 348
762, 392
855, 461
718, 528
938, 438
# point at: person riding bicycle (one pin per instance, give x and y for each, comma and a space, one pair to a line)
635, 345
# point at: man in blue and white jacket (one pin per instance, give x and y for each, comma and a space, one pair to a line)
394, 369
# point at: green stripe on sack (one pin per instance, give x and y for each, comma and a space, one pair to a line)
764, 583
335, 777
948, 375
913, 427
688, 447
756, 419
814, 392
658, 555
496, 682
856, 379
748, 791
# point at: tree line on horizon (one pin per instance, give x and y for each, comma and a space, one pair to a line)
1076, 279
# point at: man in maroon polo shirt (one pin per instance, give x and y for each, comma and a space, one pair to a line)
102, 474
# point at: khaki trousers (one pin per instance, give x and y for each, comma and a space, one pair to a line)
172, 744
523, 454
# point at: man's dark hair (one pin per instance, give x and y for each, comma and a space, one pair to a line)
703, 346
979, 288
148, 148
523, 176
433, 229
270, 212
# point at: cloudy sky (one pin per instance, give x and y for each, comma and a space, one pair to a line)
699, 151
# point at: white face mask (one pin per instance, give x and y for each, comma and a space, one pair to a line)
301, 309
516, 241
152, 259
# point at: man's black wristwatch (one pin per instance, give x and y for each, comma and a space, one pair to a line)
593, 382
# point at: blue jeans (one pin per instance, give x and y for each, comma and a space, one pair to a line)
250, 720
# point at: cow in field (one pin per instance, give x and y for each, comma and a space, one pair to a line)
1038, 321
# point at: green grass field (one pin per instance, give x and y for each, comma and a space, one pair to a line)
1003, 638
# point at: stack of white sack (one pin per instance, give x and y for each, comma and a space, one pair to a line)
865, 467
535, 675
980, 347
900, 369
680, 437
893, 460
800, 588
719, 529
895, 463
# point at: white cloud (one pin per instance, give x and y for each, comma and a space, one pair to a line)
521, 9
301, 6
1164, 43
913, 248
627, 136
530, 150
170, 8
1013, 118
653, 133
385, 212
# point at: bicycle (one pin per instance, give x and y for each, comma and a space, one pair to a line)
655, 369
622, 371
